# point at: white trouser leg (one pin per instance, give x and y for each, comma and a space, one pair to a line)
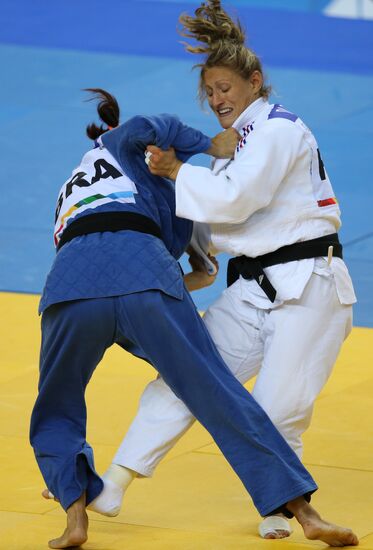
162, 418
302, 339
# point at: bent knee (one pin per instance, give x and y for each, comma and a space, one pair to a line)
290, 420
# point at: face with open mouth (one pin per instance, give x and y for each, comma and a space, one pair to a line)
229, 94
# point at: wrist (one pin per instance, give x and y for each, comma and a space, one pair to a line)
195, 280
213, 149
175, 170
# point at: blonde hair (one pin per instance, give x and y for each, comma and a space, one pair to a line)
222, 41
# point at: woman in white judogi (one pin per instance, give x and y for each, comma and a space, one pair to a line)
283, 320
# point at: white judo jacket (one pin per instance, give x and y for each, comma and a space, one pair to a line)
275, 192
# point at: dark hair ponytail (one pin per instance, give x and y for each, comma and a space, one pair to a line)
107, 109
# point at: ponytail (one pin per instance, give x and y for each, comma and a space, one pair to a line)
222, 40
107, 109
213, 28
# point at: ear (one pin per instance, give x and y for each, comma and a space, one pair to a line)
256, 80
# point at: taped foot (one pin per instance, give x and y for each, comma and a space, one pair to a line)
274, 527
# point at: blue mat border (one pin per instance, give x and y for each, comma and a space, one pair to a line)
150, 28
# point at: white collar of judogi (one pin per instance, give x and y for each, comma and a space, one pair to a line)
248, 116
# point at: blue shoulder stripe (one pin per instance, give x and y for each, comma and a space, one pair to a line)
278, 111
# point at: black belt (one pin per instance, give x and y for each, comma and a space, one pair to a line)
109, 221
252, 268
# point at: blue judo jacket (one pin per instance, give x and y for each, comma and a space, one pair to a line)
111, 264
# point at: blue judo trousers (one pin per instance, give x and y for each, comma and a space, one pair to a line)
126, 287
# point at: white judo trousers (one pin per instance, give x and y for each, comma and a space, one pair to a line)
291, 348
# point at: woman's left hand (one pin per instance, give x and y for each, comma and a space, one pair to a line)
163, 163
224, 144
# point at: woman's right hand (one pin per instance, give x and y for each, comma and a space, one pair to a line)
163, 163
224, 144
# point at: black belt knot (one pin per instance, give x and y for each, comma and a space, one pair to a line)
253, 268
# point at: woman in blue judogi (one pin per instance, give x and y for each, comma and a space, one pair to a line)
115, 279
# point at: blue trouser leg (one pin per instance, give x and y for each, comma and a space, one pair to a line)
171, 334
75, 336
175, 340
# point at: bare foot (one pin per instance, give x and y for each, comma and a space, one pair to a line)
76, 531
315, 528
48, 495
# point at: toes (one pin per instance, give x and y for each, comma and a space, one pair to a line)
353, 540
277, 534
282, 534
49, 496
274, 527
270, 536
54, 543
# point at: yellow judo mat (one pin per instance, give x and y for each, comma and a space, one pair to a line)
194, 501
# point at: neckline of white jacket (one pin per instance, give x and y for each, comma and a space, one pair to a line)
249, 114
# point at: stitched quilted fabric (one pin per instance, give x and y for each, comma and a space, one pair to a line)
111, 264
127, 262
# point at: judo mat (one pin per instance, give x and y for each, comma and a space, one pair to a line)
194, 501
